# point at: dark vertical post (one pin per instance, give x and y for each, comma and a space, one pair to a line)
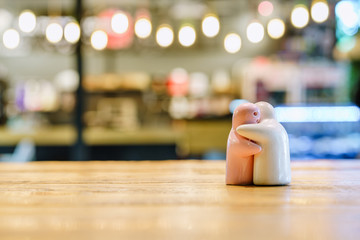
79, 151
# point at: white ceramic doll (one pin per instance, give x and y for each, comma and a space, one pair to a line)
272, 164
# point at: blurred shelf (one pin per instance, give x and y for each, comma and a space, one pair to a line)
44, 136
65, 135
145, 136
194, 137
206, 135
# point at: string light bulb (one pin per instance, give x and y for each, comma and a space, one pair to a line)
54, 32
72, 32
119, 22
187, 36
300, 16
255, 32
11, 39
232, 43
210, 25
320, 11
99, 40
276, 28
27, 21
164, 35
143, 27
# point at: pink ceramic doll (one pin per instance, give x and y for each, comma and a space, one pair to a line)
240, 151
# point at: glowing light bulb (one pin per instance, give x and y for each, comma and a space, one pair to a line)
187, 36
143, 28
72, 32
11, 39
210, 26
99, 40
255, 32
232, 43
320, 11
119, 23
164, 36
300, 16
346, 12
276, 28
27, 21
265, 8
54, 32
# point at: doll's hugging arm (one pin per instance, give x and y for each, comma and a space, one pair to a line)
255, 132
244, 147
253, 148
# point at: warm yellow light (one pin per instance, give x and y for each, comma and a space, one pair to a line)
143, 28
320, 11
27, 21
232, 43
210, 26
11, 39
187, 36
72, 32
119, 22
164, 36
99, 40
300, 16
54, 32
276, 28
255, 32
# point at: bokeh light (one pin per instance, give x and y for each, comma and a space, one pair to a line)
72, 32
11, 39
27, 21
119, 22
265, 8
320, 11
54, 32
178, 82
255, 32
164, 35
346, 44
67, 80
143, 28
99, 40
232, 43
210, 26
300, 16
187, 36
276, 28
346, 12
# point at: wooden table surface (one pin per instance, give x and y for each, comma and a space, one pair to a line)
175, 200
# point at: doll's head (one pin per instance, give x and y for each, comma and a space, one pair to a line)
267, 110
245, 113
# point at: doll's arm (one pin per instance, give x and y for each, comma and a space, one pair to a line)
253, 148
255, 132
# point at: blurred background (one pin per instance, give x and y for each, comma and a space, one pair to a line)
158, 79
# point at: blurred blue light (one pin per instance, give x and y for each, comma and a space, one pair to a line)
346, 44
318, 114
350, 31
347, 13
234, 103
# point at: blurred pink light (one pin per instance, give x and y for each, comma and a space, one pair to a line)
117, 40
265, 8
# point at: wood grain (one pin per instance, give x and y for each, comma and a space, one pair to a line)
175, 200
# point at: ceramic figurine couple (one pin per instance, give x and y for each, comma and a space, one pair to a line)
257, 148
